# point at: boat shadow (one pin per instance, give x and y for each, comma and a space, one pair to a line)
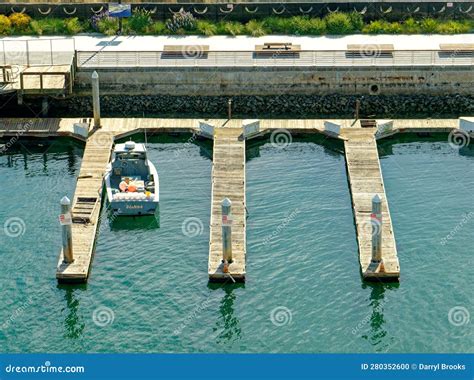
133, 223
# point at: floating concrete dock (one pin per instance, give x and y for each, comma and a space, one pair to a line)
365, 179
228, 181
86, 208
228, 177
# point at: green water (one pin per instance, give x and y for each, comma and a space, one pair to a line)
304, 291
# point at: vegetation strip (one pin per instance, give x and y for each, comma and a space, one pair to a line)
184, 23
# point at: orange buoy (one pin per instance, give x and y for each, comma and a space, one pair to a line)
132, 189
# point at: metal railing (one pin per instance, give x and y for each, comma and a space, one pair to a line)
37, 52
321, 58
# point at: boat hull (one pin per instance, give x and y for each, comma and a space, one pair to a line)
133, 208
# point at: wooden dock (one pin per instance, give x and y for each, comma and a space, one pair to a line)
365, 179
228, 181
86, 207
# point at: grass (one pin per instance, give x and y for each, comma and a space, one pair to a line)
141, 23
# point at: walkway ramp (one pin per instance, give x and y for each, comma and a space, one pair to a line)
86, 207
228, 181
365, 179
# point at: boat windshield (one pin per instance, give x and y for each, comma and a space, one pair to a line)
131, 156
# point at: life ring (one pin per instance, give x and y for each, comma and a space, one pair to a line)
99, 11
362, 12
468, 10
331, 11
230, 8
251, 11
416, 10
203, 12
44, 13
309, 10
173, 12
14, 11
70, 13
388, 10
153, 11
280, 11
442, 9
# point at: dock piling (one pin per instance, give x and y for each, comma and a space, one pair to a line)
376, 220
66, 226
226, 233
95, 99
229, 108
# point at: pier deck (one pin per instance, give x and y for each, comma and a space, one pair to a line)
228, 181
86, 207
365, 179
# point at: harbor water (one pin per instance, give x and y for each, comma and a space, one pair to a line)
149, 291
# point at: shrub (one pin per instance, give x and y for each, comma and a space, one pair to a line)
356, 20
338, 23
429, 25
208, 28
5, 25
73, 26
278, 24
410, 26
20, 21
233, 28
181, 22
255, 28
140, 21
48, 26
156, 28
453, 27
317, 26
107, 25
381, 26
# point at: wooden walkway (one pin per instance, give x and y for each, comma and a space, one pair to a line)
228, 181
365, 179
86, 207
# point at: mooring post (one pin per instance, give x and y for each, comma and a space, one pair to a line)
376, 220
357, 109
226, 233
229, 108
66, 226
95, 99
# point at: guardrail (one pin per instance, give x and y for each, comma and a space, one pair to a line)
320, 58
37, 52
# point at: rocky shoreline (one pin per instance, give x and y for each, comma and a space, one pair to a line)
282, 106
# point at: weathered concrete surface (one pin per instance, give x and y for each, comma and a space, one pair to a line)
290, 80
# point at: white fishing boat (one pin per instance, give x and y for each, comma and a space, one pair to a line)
132, 181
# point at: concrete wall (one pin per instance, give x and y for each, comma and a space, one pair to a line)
275, 81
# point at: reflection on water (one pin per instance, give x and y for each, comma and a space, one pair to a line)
228, 325
73, 323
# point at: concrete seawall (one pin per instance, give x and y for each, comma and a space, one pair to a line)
235, 81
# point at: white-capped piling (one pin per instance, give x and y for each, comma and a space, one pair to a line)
376, 220
66, 226
229, 108
226, 232
95, 99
